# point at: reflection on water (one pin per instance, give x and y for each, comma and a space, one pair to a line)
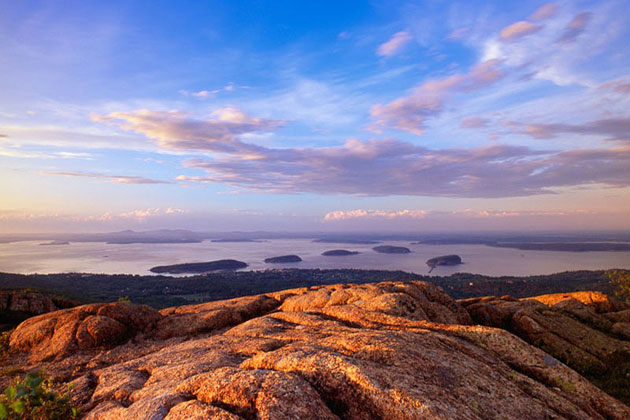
31, 257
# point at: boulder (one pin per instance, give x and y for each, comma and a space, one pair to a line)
56, 334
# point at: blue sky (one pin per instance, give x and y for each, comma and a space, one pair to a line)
379, 115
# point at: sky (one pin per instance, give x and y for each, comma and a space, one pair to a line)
327, 115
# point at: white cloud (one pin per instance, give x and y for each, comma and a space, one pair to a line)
374, 214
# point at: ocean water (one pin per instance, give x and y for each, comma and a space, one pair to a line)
97, 257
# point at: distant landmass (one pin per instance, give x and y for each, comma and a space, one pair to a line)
153, 241
346, 241
568, 247
202, 267
51, 243
390, 249
228, 240
283, 259
338, 253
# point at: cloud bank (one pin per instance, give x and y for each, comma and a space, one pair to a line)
378, 167
174, 130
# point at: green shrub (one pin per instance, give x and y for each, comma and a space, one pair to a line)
621, 279
35, 399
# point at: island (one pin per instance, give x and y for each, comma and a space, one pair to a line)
390, 249
283, 259
444, 260
339, 253
202, 267
55, 243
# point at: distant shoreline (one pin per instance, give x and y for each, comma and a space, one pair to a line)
163, 291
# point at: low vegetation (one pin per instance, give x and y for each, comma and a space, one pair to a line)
4, 343
34, 398
621, 280
164, 291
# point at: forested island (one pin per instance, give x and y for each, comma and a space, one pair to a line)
444, 260
338, 253
201, 267
390, 249
283, 259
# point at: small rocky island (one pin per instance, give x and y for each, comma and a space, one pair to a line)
283, 259
202, 267
339, 253
390, 249
444, 260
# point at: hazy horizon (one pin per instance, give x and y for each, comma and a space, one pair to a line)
383, 116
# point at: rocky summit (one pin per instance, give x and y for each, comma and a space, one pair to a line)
389, 350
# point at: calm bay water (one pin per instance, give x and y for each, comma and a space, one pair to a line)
96, 257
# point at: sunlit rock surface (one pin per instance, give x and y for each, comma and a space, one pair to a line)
386, 350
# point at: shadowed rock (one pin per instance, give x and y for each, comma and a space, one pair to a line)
575, 328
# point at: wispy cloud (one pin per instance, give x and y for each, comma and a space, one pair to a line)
473, 122
546, 11
394, 45
136, 214
428, 99
575, 27
621, 86
18, 152
458, 34
615, 129
518, 30
114, 179
204, 94
533, 47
